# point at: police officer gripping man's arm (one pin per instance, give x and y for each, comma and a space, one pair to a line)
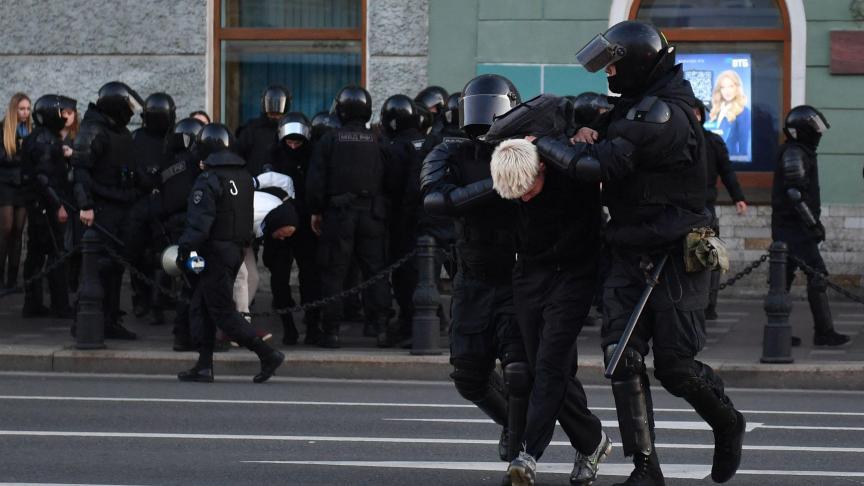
218, 227
795, 210
652, 166
455, 180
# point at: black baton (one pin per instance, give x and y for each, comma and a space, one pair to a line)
634, 317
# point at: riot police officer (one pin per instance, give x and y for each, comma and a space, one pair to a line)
456, 181
105, 184
650, 159
46, 171
163, 213
796, 206
433, 100
255, 139
400, 121
148, 144
346, 192
218, 227
323, 122
291, 156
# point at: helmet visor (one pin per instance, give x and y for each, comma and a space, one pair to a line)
275, 104
136, 104
819, 124
599, 53
481, 110
298, 130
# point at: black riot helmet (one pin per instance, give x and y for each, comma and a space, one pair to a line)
451, 110
213, 138
638, 50
47, 113
399, 113
588, 106
323, 122
276, 99
433, 98
184, 135
159, 112
484, 98
806, 124
295, 126
353, 103
119, 102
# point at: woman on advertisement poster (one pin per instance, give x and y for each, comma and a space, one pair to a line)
730, 117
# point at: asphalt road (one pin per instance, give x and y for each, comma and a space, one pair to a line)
125, 430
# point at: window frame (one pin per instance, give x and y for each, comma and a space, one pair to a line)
758, 182
276, 34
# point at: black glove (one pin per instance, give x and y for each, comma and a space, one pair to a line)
817, 232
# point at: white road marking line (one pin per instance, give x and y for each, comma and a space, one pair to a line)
848, 323
717, 330
658, 424
811, 427
382, 440
724, 319
852, 315
383, 404
679, 471
730, 313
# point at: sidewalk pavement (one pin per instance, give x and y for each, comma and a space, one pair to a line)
733, 347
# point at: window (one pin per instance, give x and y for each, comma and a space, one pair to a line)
734, 42
314, 47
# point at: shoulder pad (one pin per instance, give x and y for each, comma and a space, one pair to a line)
793, 164
651, 109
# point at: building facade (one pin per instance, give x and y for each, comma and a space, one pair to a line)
218, 55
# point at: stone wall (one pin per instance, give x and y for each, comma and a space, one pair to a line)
73, 47
398, 48
748, 237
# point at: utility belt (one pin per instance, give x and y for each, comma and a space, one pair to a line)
377, 205
490, 236
469, 263
120, 177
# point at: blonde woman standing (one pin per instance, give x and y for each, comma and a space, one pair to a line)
13, 215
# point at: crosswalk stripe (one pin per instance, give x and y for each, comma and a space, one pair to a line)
677, 471
658, 424
381, 404
383, 440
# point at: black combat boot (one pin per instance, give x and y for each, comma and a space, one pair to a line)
196, 374
114, 329
646, 471
823, 324
313, 328
382, 334
330, 337
270, 360
728, 443
290, 335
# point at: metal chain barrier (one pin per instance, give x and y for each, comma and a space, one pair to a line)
304, 307
812, 272
48, 269
743, 273
345, 293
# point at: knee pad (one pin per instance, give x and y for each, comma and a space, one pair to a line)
677, 375
517, 377
631, 364
471, 380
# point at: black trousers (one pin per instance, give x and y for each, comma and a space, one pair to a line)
551, 305
352, 233
279, 257
45, 245
112, 217
212, 305
672, 324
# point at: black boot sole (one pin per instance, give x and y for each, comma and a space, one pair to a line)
728, 474
268, 367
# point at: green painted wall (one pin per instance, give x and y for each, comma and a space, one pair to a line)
841, 99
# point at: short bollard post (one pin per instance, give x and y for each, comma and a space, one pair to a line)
777, 337
425, 326
89, 322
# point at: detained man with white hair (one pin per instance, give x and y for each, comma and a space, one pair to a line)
558, 240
